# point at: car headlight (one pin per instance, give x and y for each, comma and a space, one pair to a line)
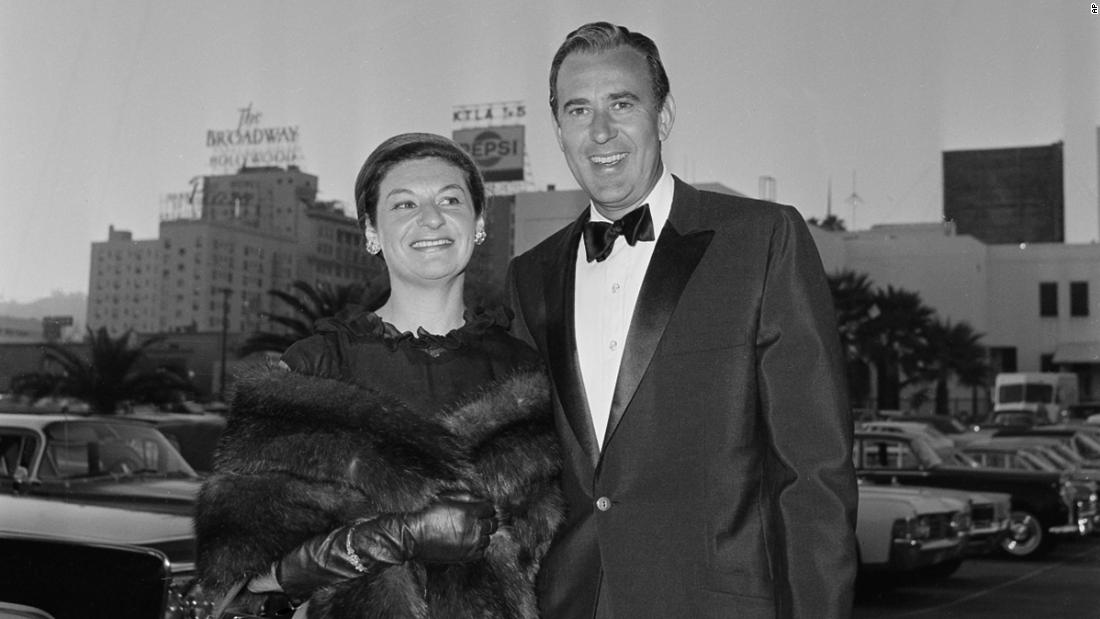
1068, 492
188, 600
911, 529
960, 522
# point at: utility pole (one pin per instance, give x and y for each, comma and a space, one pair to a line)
225, 333
855, 201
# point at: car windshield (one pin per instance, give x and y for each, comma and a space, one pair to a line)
1025, 392
90, 448
1087, 446
1037, 462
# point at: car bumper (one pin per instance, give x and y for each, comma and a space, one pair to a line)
986, 539
912, 555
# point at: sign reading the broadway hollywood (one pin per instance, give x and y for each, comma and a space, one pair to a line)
498, 151
252, 144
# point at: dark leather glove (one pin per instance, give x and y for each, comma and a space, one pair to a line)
454, 529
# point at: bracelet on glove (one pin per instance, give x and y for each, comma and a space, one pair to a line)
353, 558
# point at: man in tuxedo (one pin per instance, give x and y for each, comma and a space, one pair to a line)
699, 391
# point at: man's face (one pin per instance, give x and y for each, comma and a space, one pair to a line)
610, 127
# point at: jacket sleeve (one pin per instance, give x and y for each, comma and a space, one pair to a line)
519, 327
803, 394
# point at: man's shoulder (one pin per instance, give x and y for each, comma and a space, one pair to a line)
720, 208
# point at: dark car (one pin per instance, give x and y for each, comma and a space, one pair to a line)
951, 427
1080, 412
94, 460
194, 435
1081, 441
75, 560
1045, 505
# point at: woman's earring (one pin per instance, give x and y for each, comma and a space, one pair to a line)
479, 236
373, 247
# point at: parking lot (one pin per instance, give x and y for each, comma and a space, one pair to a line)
1065, 584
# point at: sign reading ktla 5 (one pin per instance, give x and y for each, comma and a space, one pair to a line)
498, 151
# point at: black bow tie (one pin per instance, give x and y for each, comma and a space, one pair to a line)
599, 236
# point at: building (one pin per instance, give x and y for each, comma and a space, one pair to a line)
216, 257
1038, 305
1006, 195
25, 330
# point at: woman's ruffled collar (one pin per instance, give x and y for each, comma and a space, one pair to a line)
356, 322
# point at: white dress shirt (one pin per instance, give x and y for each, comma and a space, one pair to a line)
603, 304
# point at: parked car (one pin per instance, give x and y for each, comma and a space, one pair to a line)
194, 435
951, 427
938, 439
911, 530
1080, 440
75, 560
100, 460
1045, 505
1080, 412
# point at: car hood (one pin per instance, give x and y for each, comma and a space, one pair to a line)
977, 498
173, 534
921, 501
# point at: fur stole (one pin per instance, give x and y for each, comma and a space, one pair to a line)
303, 455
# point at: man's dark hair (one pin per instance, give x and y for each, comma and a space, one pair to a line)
601, 37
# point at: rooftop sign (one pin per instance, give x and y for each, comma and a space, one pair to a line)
252, 144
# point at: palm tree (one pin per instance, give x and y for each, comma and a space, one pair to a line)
954, 350
897, 333
112, 376
831, 223
853, 300
310, 304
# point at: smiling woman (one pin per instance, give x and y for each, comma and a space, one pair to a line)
398, 440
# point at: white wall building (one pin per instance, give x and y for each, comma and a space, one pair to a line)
997, 289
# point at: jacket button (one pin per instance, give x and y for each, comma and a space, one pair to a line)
603, 504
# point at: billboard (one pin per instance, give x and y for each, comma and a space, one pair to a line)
498, 151
251, 144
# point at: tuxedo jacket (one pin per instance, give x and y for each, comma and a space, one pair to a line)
725, 486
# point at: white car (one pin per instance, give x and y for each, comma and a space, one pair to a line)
909, 529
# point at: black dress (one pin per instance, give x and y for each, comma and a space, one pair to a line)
372, 421
425, 371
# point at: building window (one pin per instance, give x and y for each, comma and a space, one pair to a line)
1046, 363
1003, 358
1048, 299
1078, 298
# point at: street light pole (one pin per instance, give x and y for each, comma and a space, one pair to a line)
225, 332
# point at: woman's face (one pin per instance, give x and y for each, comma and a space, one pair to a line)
425, 222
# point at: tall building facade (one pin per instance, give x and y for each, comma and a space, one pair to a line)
1006, 195
215, 259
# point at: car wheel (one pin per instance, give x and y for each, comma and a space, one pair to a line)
1026, 538
940, 571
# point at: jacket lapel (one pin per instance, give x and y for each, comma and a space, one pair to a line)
559, 279
674, 260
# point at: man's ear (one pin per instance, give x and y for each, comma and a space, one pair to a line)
665, 117
557, 133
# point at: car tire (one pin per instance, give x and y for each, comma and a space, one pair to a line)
1027, 537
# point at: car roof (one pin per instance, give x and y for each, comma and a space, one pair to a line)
1008, 443
38, 422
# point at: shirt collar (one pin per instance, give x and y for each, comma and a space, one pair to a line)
659, 200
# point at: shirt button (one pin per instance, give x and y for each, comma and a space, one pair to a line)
614, 288
613, 345
603, 504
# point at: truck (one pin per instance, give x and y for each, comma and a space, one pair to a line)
1046, 394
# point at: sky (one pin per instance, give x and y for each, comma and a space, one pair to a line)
105, 104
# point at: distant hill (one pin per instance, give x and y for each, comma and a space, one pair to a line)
59, 303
